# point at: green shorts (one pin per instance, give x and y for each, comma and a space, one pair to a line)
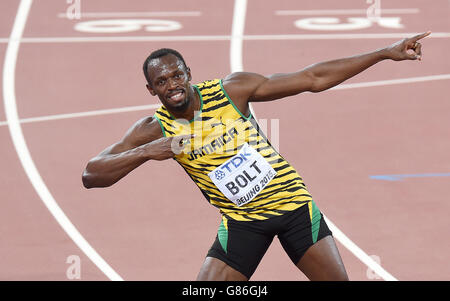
242, 244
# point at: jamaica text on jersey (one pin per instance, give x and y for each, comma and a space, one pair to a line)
231, 160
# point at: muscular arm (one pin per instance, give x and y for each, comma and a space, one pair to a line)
144, 141
244, 87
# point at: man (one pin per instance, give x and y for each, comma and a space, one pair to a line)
208, 129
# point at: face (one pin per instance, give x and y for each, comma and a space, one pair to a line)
170, 81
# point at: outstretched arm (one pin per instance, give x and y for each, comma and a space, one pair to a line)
244, 87
332, 73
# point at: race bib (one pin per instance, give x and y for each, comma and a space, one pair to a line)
243, 176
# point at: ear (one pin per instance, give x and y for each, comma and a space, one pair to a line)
188, 71
150, 89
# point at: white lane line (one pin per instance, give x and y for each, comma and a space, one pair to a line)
110, 39
86, 114
236, 42
328, 12
134, 14
155, 106
237, 32
211, 38
392, 82
19, 142
187, 38
342, 36
358, 252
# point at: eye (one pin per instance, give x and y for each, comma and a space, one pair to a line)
161, 82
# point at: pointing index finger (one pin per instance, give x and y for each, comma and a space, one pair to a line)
420, 36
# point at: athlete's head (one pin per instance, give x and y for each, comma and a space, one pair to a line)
168, 77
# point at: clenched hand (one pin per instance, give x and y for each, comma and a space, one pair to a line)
166, 147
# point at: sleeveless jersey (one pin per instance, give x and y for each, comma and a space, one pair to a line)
231, 160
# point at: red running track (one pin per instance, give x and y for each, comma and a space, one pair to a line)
147, 230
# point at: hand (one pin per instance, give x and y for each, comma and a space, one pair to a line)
407, 49
166, 147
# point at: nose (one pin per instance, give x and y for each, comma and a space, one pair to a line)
171, 83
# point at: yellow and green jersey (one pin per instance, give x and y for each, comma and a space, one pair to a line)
231, 160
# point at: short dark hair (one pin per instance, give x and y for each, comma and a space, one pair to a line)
157, 54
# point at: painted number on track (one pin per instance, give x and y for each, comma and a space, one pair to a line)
127, 25
350, 24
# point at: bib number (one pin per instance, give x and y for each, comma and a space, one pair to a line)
244, 176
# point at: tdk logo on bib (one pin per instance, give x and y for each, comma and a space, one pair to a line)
242, 177
236, 161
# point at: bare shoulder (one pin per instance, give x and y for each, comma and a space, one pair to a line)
243, 81
241, 86
143, 131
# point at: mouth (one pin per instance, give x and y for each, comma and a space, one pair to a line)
176, 96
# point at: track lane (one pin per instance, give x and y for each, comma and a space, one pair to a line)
33, 246
142, 259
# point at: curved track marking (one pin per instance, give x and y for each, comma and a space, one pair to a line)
19, 142
237, 66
